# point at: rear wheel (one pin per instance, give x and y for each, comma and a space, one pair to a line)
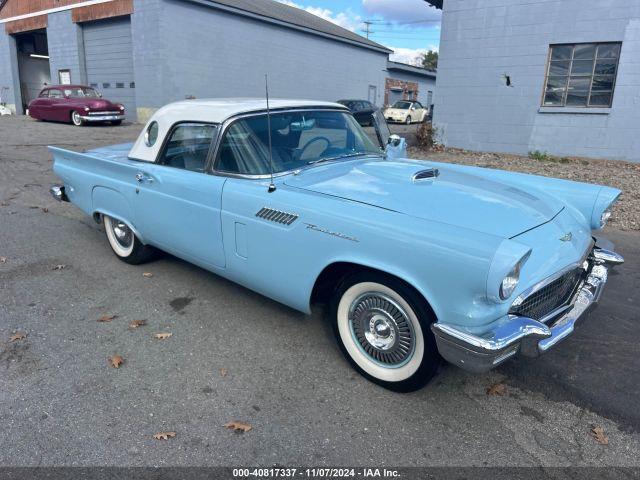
125, 244
76, 120
383, 328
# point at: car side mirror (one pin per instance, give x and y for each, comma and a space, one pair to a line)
394, 140
396, 147
100, 94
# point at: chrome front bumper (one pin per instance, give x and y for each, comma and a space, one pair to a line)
102, 118
521, 334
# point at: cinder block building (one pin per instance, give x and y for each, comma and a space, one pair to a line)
146, 53
558, 76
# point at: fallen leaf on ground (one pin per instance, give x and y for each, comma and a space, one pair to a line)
137, 323
236, 426
45, 210
116, 361
106, 318
147, 274
59, 267
3, 259
598, 434
18, 336
164, 435
163, 336
223, 372
497, 389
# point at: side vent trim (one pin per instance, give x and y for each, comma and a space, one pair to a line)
277, 216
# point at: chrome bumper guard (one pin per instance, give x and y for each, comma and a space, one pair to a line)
57, 192
102, 118
521, 334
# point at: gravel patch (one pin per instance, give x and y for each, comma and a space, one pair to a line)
614, 173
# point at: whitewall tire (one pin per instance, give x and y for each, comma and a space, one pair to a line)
408, 120
383, 328
124, 243
76, 119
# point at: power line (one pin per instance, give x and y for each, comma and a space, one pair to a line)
412, 22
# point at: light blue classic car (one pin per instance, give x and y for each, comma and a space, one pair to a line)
418, 260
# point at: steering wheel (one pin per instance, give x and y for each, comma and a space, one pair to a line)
311, 142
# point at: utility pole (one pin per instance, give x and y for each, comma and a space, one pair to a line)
367, 28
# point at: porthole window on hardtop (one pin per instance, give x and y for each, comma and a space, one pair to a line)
581, 75
151, 135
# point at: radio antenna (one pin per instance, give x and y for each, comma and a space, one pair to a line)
272, 186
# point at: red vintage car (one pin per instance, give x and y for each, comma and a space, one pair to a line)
77, 104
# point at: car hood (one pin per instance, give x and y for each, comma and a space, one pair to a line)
453, 197
396, 111
95, 103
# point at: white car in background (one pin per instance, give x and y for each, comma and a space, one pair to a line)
406, 111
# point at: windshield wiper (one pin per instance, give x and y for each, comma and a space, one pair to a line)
337, 157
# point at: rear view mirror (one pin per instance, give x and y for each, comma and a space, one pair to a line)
303, 125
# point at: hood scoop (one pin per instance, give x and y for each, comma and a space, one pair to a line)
427, 174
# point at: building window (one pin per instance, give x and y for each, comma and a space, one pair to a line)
581, 75
119, 85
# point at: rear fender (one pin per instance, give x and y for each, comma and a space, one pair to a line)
107, 201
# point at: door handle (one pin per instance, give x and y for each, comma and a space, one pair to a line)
141, 177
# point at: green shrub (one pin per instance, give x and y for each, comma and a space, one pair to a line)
540, 156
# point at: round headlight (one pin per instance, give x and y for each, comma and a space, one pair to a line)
86, 109
606, 215
121, 107
510, 282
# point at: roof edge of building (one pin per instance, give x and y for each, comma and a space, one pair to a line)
369, 44
405, 67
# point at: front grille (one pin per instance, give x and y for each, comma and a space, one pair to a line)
550, 297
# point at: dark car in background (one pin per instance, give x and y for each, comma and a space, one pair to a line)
77, 104
362, 110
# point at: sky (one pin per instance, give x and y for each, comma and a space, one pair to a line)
408, 27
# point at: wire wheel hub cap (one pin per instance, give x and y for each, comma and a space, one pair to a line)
382, 329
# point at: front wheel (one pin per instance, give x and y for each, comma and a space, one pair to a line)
408, 120
76, 119
125, 244
115, 123
382, 327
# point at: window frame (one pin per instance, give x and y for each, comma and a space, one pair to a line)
591, 76
208, 161
231, 120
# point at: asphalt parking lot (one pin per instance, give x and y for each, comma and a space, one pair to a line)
234, 355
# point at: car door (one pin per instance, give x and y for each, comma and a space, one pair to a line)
177, 204
54, 106
420, 111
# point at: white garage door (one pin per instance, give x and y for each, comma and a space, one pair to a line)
109, 60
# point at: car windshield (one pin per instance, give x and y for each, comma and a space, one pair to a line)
402, 105
80, 92
298, 139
